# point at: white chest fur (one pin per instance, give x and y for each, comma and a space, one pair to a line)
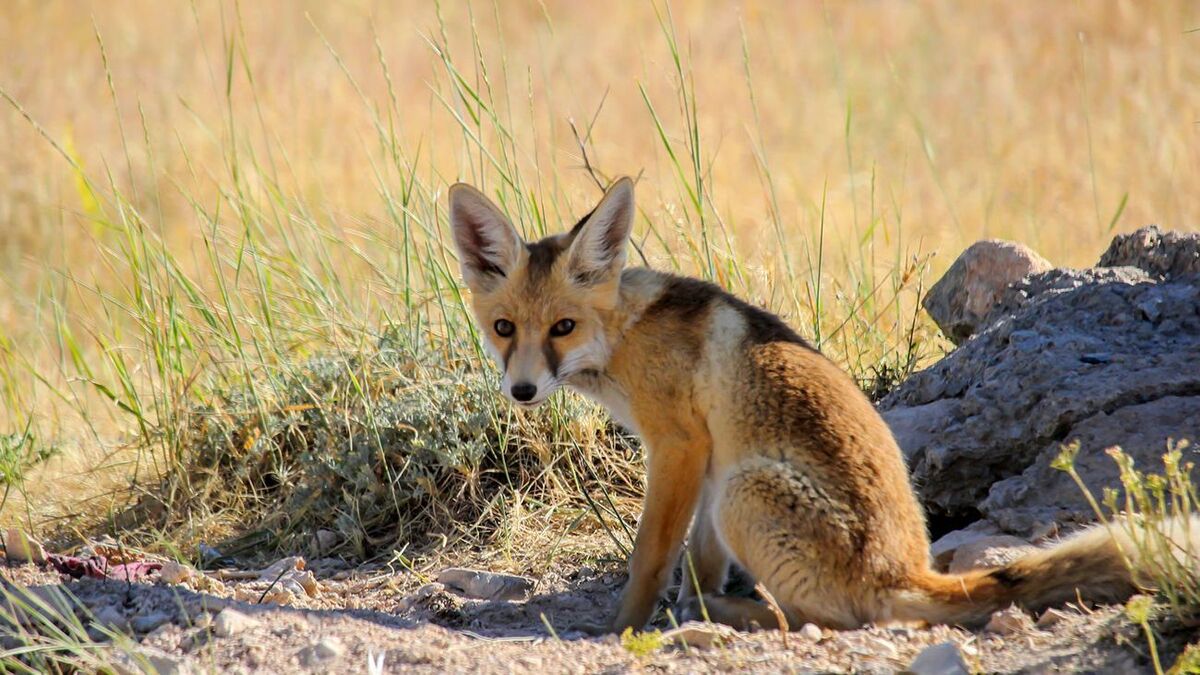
604, 391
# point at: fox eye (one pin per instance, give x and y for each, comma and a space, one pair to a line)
504, 328
563, 327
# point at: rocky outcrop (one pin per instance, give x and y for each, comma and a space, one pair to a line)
1105, 356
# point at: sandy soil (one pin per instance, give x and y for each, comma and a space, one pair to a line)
359, 616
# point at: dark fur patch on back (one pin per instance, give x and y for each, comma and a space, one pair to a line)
692, 298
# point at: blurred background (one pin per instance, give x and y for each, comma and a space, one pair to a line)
197, 196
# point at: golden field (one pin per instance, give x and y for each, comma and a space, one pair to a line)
195, 194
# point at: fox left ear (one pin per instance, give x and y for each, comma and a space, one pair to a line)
598, 250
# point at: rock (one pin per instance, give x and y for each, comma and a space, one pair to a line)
1009, 622
1042, 493
810, 632
176, 573
1051, 617
977, 279
144, 623
322, 653
323, 541
111, 617
700, 635
419, 596
486, 585
281, 595
989, 552
939, 659
231, 622
149, 661
866, 644
1160, 253
276, 569
1065, 355
301, 583
19, 547
942, 551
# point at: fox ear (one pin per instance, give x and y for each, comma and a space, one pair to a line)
598, 248
489, 247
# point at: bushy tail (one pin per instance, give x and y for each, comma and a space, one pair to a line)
1093, 565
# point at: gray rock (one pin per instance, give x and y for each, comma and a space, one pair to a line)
1160, 253
1011, 621
144, 623
942, 551
322, 653
700, 635
977, 279
988, 552
486, 585
231, 622
939, 659
1041, 493
1062, 357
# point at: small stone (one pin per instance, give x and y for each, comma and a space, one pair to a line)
231, 622
319, 654
865, 644
939, 659
1051, 617
420, 595
944, 548
145, 623
700, 635
277, 569
1009, 622
810, 632
110, 617
301, 583
21, 548
988, 552
486, 585
324, 541
279, 595
150, 660
176, 573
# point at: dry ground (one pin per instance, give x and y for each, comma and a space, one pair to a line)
365, 612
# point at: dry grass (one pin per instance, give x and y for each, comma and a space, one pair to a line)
197, 199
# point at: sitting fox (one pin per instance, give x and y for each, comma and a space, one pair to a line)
765, 447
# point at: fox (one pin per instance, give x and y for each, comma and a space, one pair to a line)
759, 451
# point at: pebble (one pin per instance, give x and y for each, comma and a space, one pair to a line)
700, 635
231, 622
21, 548
1009, 622
322, 652
486, 585
145, 623
939, 659
810, 632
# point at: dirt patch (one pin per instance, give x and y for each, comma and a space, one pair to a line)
361, 617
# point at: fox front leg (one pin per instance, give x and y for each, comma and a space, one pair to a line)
675, 478
705, 563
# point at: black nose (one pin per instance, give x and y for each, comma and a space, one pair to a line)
524, 391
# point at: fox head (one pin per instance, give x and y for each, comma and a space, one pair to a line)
542, 306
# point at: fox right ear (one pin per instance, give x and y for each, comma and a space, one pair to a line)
489, 247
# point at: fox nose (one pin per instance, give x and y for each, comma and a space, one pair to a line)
524, 391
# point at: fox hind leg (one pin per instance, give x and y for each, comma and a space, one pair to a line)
791, 537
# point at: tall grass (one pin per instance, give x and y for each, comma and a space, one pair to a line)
257, 190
